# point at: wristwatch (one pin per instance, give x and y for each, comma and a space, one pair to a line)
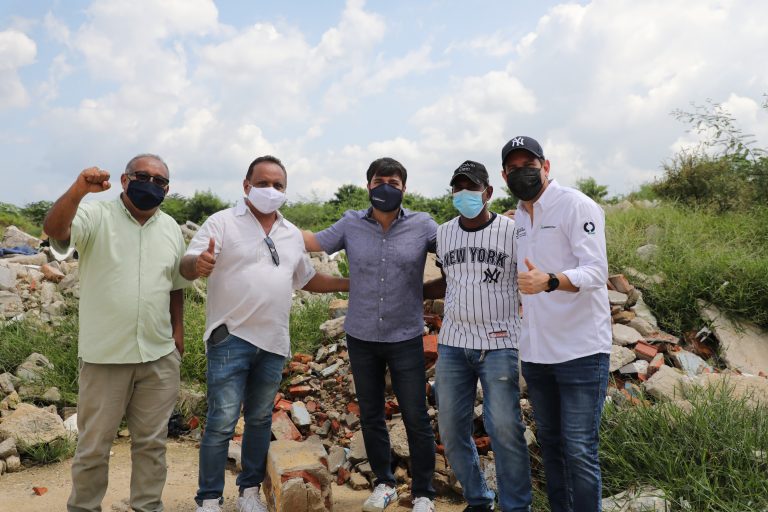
553, 283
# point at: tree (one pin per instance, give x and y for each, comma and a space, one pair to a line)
37, 211
203, 204
175, 205
590, 188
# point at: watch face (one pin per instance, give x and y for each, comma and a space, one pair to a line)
553, 283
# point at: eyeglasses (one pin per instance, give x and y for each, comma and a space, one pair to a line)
273, 251
144, 176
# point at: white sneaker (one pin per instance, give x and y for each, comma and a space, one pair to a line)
250, 501
423, 504
209, 506
382, 496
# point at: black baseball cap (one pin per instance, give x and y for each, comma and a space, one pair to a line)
474, 171
521, 142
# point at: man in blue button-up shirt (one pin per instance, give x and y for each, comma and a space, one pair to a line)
387, 247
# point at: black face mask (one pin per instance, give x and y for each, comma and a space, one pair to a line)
145, 195
525, 182
385, 197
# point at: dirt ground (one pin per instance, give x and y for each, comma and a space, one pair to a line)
16, 493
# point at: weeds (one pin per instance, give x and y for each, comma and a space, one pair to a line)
719, 258
55, 451
305, 322
706, 454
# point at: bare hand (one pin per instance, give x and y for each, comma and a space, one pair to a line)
93, 179
533, 281
206, 261
510, 214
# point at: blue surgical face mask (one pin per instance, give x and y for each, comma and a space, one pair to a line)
469, 202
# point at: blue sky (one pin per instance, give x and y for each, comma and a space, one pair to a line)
330, 86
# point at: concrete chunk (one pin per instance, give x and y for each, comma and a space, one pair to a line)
297, 478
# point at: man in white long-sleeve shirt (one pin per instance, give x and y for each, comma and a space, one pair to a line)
565, 343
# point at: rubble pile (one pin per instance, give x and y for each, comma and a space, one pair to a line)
34, 286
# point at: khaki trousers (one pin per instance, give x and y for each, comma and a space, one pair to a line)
145, 393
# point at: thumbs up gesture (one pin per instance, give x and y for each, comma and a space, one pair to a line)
206, 260
533, 280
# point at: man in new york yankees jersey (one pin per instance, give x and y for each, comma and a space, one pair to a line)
478, 340
565, 343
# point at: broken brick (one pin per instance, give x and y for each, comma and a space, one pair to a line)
302, 358
299, 390
483, 444
645, 351
430, 347
39, 491
656, 363
312, 406
298, 367
283, 405
353, 408
283, 428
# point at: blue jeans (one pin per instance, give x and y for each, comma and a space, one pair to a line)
405, 359
567, 401
238, 374
458, 370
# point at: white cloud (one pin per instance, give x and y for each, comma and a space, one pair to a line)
16, 50
497, 44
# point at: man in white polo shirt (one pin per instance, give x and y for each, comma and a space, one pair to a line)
255, 259
565, 343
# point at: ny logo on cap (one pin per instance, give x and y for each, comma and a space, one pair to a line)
517, 141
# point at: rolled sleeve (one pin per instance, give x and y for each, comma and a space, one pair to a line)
303, 272
587, 238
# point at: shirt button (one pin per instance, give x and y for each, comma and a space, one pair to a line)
383, 259
382, 278
381, 299
381, 319
383, 239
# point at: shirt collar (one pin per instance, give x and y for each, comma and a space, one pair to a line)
368, 214
242, 209
119, 201
548, 196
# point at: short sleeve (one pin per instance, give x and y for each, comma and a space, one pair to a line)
431, 228
179, 282
82, 229
303, 272
211, 228
333, 239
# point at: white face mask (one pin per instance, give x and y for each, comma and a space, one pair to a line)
266, 199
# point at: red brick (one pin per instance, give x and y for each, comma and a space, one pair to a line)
440, 449
311, 407
430, 347
278, 397
391, 408
302, 358
297, 367
283, 405
656, 363
483, 444
193, 422
40, 490
283, 428
335, 425
304, 475
300, 390
645, 351
353, 408
342, 476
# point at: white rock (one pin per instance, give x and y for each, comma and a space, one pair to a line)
624, 335
620, 356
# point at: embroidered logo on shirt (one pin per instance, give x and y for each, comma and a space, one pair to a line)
520, 232
589, 227
491, 276
498, 334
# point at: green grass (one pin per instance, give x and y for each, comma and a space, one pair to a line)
705, 456
305, 321
46, 453
8, 218
721, 258
59, 344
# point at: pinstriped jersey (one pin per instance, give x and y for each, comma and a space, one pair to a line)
481, 299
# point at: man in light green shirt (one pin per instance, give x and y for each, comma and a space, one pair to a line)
131, 325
